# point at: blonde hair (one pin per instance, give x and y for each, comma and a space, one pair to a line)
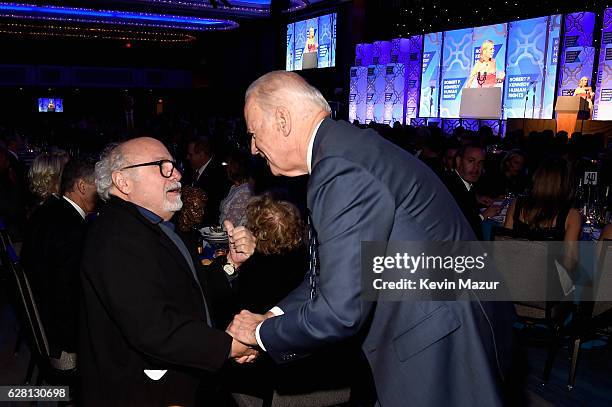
482, 48
45, 174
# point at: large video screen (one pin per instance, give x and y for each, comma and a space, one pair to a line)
312, 43
520, 57
50, 105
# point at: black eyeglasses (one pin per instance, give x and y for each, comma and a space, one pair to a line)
166, 167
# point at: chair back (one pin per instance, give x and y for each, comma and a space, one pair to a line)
30, 315
604, 286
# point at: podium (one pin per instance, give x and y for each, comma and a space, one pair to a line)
569, 110
309, 60
480, 103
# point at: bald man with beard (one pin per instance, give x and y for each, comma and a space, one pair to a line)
146, 336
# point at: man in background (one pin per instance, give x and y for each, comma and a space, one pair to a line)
460, 182
209, 175
52, 256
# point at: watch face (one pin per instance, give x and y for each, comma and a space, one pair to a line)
229, 269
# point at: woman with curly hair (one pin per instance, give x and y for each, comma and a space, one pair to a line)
278, 265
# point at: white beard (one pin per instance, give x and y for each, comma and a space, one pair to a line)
175, 205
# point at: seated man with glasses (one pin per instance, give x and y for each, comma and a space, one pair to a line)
146, 333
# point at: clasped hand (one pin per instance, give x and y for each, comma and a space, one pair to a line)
242, 330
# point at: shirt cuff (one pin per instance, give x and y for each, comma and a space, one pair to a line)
276, 311
258, 338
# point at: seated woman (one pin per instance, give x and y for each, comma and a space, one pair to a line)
44, 178
508, 178
546, 214
277, 266
233, 207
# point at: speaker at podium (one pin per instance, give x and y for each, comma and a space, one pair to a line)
569, 110
480, 103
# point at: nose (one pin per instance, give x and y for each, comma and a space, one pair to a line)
176, 174
254, 149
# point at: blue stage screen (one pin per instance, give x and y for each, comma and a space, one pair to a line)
464, 67
49, 105
531, 69
430, 77
311, 43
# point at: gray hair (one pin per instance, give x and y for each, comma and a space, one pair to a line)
270, 86
111, 160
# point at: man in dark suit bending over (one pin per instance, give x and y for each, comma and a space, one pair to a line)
146, 336
363, 188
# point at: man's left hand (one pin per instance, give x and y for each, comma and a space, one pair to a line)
243, 327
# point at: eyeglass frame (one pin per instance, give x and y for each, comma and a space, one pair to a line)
159, 163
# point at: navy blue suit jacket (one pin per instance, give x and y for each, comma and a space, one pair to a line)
363, 188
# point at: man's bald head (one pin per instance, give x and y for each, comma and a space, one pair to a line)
282, 111
282, 88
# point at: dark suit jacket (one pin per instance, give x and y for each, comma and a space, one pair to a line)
216, 185
466, 201
51, 256
142, 309
363, 188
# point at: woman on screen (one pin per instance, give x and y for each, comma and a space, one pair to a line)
484, 73
584, 91
311, 44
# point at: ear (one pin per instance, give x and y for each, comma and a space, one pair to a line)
81, 186
121, 182
283, 120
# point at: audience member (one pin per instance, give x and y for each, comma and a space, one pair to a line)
12, 203
509, 178
44, 178
146, 335
233, 206
208, 174
546, 213
277, 267
460, 183
52, 257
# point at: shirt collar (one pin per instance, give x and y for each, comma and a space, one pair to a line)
154, 218
311, 145
203, 167
76, 206
468, 186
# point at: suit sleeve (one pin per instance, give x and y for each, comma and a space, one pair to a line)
349, 206
130, 286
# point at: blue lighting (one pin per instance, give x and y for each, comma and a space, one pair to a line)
112, 16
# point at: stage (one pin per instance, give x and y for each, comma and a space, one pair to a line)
583, 126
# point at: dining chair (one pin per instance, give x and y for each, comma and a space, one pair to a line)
30, 320
522, 255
